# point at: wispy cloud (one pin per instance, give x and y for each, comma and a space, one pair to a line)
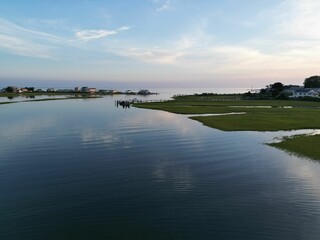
87, 35
25, 48
164, 7
26, 41
12, 28
23, 41
123, 28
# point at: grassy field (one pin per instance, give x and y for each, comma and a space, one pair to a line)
273, 119
277, 115
302, 145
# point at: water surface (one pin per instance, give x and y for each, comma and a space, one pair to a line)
84, 169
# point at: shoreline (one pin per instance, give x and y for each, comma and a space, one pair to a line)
50, 99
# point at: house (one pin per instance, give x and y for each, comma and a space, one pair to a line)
112, 91
84, 89
290, 89
23, 90
305, 92
92, 90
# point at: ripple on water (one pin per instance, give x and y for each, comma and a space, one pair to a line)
105, 175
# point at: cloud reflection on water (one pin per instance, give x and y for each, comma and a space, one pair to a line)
179, 176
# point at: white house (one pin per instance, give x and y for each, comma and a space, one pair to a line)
92, 90
22, 90
305, 92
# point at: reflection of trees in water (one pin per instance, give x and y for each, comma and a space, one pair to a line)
21, 96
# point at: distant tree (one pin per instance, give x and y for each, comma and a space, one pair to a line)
263, 91
9, 89
312, 82
247, 94
31, 89
278, 86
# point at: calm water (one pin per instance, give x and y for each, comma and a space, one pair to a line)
164, 93
83, 169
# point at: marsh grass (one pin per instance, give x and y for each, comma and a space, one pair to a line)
265, 120
301, 145
301, 115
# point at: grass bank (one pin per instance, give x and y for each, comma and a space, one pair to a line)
302, 145
260, 115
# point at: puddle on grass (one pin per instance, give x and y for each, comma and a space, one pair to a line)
260, 106
215, 114
250, 106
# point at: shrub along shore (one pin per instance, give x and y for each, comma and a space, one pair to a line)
260, 115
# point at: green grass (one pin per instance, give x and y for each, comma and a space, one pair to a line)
265, 120
196, 105
302, 115
302, 145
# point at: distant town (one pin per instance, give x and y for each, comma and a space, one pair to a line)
76, 90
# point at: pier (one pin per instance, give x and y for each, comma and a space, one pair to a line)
128, 103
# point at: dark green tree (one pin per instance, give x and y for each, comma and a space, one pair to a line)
31, 89
276, 88
9, 89
248, 94
263, 91
312, 82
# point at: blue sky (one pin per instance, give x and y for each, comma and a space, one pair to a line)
159, 43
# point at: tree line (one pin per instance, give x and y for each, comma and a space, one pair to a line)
276, 90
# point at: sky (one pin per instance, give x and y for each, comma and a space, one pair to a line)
159, 43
